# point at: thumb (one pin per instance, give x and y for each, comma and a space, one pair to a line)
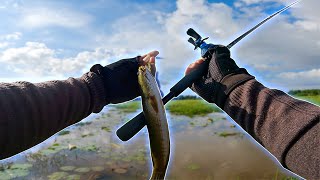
194, 65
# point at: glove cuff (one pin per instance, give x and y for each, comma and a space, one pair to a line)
229, 83
99, 70
97, 91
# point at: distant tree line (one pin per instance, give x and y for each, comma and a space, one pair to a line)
182, 97
307, 92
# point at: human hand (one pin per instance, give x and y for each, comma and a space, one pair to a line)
222, 76
120, 78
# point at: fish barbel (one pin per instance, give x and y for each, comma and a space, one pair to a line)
156, 121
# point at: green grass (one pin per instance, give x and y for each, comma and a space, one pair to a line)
313, 99
187, 107
191, 107
131, 106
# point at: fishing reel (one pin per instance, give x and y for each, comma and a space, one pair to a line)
198, 42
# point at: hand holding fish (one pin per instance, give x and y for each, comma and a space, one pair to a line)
120, 78
222, 77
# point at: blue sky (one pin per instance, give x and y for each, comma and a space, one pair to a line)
48, 40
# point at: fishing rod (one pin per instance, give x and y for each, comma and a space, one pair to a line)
133, 126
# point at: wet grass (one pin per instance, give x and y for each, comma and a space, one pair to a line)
313, 99
187, 107
191, 107
131, 106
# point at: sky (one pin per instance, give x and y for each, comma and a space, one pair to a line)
55, 39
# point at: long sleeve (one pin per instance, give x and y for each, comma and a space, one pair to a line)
31, 113
288, 128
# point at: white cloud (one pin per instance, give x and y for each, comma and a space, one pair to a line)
9, 4
8, 39
300, 80
36, 59
312, 74
44, 17
280, 45
288, 43
3, 44
12, 36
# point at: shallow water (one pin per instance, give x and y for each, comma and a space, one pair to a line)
208, 147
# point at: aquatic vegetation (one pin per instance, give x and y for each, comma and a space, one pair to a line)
63, 132
73, 177
86, 134
57, 175
52, 149
226, 134
120, 170
83, 123
20, 166
193, 166
110, 159
14, 171
105, 128
90, 148
67, 168
82, 170
97, 168
204, 122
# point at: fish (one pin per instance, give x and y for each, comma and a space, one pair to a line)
156, 121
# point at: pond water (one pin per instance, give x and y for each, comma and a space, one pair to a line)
208, 147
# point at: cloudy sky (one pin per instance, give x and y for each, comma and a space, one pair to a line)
48, 40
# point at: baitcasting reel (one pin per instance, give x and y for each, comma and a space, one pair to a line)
199, 42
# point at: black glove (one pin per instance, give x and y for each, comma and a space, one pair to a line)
120, 79
222, 77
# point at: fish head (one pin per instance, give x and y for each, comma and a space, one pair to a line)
145, 78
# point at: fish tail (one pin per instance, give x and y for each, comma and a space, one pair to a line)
157, 175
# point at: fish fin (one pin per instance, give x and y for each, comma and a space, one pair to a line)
157, 175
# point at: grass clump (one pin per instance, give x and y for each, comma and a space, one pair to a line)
64, 132
311, 95
313, 99
131, 106
305, 92
191, 107
226, 134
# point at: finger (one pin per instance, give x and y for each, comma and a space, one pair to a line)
149, 55
152, 60
189, 68
153, 66
194, 65
145, 57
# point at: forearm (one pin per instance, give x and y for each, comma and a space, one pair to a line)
31, 113
282, 124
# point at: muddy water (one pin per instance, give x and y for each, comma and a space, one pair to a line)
208, 147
